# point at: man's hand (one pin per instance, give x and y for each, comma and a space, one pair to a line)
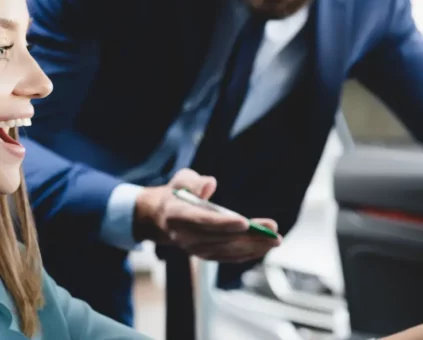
163, 218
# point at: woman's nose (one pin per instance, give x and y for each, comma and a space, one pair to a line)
35, 84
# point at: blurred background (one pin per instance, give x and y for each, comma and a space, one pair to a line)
299, 293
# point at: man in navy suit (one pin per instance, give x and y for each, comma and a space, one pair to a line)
242, 90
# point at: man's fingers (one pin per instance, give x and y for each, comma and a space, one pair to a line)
235, 248
211, 233
241, 255
180, 213
230, 259
210, 185
201, 186
193, 237
267, 222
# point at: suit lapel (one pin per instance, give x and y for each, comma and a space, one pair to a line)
231, 16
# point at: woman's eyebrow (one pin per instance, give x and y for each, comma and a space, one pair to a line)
11, 25
8, 24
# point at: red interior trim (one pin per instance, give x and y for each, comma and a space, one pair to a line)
393, 215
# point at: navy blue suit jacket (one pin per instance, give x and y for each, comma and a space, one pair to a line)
122, 72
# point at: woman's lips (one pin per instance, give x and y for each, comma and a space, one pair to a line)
10, 145
4, 136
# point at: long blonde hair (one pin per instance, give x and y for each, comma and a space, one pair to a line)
21, 267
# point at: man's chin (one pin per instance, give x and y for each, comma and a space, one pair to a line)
276, 9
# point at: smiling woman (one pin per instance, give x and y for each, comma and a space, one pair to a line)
30, 303
20, 80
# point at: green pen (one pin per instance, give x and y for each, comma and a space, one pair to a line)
188, 197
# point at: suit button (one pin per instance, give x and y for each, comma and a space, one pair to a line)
188, 106
198, 137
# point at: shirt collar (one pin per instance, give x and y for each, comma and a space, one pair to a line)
281, 31
8, 314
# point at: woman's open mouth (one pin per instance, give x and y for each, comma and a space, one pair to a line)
7, 142
15, 122
5, 137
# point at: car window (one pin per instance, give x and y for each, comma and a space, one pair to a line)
369, 120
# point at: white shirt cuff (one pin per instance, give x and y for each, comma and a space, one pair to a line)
116, 229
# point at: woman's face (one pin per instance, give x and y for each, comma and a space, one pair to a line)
21, 80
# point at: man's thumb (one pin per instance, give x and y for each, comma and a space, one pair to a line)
201, 186
209, 187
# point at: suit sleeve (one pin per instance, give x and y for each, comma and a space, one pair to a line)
393, 70
64, 193
83, 323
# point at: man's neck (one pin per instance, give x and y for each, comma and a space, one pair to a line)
276, 9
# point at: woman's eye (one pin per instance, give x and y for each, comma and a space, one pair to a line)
4, 51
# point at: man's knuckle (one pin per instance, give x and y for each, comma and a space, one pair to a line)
184, 174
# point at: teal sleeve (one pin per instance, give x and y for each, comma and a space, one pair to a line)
83, 323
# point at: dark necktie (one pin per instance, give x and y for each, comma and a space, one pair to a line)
180, 303
233, 91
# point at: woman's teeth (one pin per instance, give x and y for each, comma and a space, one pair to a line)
16, 122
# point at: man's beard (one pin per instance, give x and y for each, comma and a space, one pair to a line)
276, 9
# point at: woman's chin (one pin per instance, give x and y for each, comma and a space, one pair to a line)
10, 179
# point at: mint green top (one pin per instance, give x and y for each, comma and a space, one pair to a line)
62, 318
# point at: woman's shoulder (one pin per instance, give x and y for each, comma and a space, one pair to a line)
64, 317
52, 318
